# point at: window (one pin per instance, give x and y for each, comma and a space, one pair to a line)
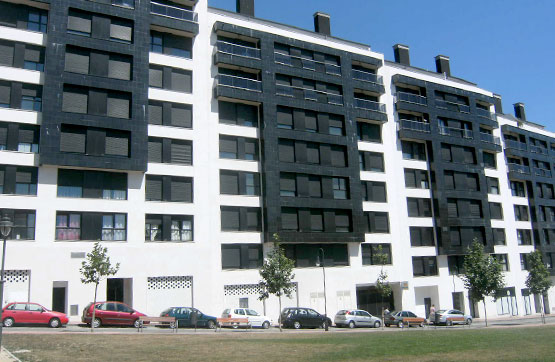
26, 181
371, 253
336, 127
238, 148
517, 189
239, 183
96, 101
170, 79
31, 98
68, 226
92, 184
114, 227
424, 266
153, 228
107, 28
289, 219
284, 117
168, 188
170, 44
175, 228
241, 256
342, 221
524, 261
240, 218
493, 185
374, 191
182, 230
421, 236
340, 188
168, 150
371, 161
496, 212
489, 160
37, 21
369, 132
170, 114
23, 223
524, 237
419, 207
456, 264
238, 114
28, 139
499, 236
502, 260
104, 64
310, 255
416, 179
287, 185
377, 222
413, 150
521, 213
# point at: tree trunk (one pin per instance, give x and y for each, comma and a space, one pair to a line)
279, 319
485, 311
543, 309
94, 307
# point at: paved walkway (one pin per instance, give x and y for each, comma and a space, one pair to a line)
6, 356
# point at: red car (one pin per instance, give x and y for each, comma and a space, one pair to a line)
31, 313
111, 313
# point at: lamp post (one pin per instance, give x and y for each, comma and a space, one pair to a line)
318, 263
5, 228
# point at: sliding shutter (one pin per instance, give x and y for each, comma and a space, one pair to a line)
155, 150
381, 222
181, 189
27, 135
118, 105
72, 140
75, 101
155, 111
289, 220
121, 31
410, 178
77, 61
117, 143
119, 67
182, 116
229, 182
6, 53
285, 117
338, 158
153, 188
79, 22
3, 135
181, 152
5, 90
181, 81
155, 77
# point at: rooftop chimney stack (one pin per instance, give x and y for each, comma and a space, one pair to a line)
519, 111
497, 103
245, 7
401, 53
322, 23
442, 65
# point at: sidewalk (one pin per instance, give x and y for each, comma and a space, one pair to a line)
6, 356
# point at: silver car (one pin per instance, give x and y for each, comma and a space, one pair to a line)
356, 318
450, 317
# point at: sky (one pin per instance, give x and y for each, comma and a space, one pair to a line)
505, 46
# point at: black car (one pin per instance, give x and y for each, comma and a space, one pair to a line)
303, 318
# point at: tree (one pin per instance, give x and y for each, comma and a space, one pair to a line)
94, 269
482, 274
382, 284
538, 280
277, 275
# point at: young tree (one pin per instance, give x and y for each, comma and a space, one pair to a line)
95, 268
538, 280
482, 276
277, 275
382, 283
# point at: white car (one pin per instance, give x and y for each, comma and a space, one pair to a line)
255, 319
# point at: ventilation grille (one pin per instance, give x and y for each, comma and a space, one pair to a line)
170, 282
247, 289
16, 276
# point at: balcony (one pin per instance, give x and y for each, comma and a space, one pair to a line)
239, 50
541, 172
412, 98
511, 144
173, 12
367, 77
514, 167
239, 82
486, 137
307, 64
485, 113
310, 94
456, 132
124, 3
370, 105
539, 150
415, 125
452, 106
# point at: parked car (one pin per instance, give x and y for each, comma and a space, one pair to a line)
255, 319
32, 313
111, 313
185, 317
303, 318
403, 318
450, 317
356, 318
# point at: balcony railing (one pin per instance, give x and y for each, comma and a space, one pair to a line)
456, 132
485, 113
486, 137
537, 149
308, 64
412, 98
452, 106
371, 105
415, 125
173, 12
124, 3
367, 77
541, 172
309, 94
239, 50
514, 167
239, 82
516, 145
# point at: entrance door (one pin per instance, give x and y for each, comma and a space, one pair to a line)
369, 300
59, 296
427, 306
458, 301
114, 290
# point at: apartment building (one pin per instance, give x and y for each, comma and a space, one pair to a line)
184, 137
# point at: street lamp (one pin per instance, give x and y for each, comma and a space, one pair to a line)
318, 263
5, 228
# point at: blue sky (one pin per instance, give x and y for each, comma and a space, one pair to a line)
505, 46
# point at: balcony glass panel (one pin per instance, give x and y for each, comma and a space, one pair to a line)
540, 150
452, 106
486, 137
124, 3
516, 145
367, 77
415, 126
456, 132
238, 82
239, 50
485, 113
308, 64
542, 172
371, 105
513, 167
411, 98
173, 12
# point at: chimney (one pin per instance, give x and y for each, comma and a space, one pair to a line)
497, 103
442, 65
519, 111
245, 7
322, 23
401, 53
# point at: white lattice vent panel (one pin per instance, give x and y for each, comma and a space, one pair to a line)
16, 276
241, 289
170, 282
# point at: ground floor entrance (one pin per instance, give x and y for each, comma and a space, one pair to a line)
370, 300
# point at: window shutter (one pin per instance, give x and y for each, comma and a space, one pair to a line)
427, 236
468, 155
181, 190
77, 62
25, 177
475, 209
410, 178
461, 182
415, 236
412, 205
2, 177
118, 105
452, 208
181, 82
181, 152
182, 116
79, 22
155, 111
315, 186
27, 135
250, 148
32, 54
3, 135
287, 182
72, 140
117, 144
313, 153
230, 219
381, 222
228, 145
121, 31
310, 121
253, 219
227, 112
74, 102
376, 161
247, 115
449, 179
455, 236
446, 153
289, 219
342, 221
155, 150
5, 90
153, 188
286, 151
155, 77
316, 220
119, 68
6, 53
285, 116
378, 192
338, 156
229, 182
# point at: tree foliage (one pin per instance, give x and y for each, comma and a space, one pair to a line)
382, 283
539, 279
482, 274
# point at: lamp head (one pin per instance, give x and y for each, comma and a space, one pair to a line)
6, 226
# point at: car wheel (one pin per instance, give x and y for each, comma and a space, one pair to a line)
352, 324
400, 324
468, 321
449, 323
387, 325
97, 323
54, 323
8, 322
377, 324
137, 323
421, 325
210, 324
173, 325
266, 325
297, 325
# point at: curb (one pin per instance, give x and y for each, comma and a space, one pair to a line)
9, 355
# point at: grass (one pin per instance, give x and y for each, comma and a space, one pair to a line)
508, 344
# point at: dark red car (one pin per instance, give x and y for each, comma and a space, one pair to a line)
111, 313
31, 313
